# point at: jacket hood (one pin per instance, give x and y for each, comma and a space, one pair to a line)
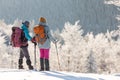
24, 27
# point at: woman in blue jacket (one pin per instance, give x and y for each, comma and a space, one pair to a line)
24, 48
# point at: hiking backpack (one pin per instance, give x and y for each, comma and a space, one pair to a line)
18, 37
40, 34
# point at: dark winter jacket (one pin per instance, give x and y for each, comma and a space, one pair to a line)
26, 36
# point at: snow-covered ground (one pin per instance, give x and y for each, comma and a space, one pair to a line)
15, 74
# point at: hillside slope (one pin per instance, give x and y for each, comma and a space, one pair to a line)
94, 15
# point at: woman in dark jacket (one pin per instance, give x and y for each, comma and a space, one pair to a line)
24, 48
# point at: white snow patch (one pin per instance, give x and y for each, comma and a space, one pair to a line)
15, 74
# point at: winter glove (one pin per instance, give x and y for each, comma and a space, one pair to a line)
55, 41
33, 41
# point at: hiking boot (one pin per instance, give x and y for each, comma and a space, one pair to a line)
30, 67
41, 70
20, 62
41, 64
20, 67
29, 64
47, 65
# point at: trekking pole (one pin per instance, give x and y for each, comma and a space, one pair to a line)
57, 56
34, 56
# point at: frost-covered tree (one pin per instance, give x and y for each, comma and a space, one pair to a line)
89, 53
91, 63
69, 52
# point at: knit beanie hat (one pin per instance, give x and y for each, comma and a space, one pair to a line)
26, 22
43, 20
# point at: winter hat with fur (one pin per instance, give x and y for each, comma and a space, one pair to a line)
43, 20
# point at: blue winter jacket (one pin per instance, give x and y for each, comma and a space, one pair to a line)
26, 31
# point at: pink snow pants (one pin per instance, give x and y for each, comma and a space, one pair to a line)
44, 53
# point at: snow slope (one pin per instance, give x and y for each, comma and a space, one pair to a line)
15, 74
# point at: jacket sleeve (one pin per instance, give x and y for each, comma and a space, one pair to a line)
49, 34
27, 35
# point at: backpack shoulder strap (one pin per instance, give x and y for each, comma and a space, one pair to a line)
46, 31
